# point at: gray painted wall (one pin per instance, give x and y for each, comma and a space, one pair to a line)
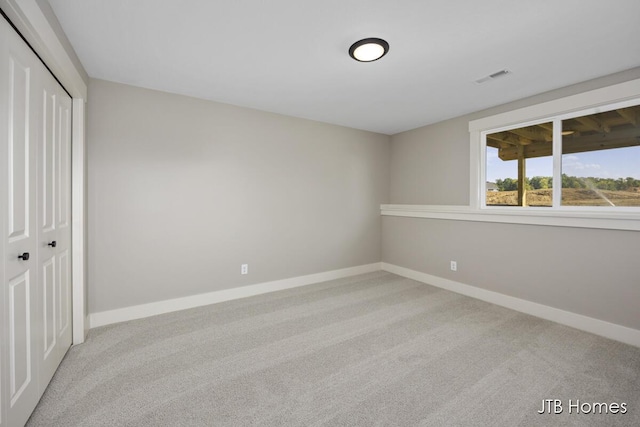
589, 272
182, 191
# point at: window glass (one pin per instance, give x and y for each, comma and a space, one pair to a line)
601, 159
519, 166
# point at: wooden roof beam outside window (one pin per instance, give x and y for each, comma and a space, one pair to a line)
593, 124
546, 126
510, 138
576, 144
629, 114
533, 134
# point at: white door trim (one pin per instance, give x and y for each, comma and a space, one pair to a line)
79, 314
37, 23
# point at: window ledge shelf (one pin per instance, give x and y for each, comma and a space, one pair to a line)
533, 216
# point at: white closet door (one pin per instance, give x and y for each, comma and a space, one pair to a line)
54, 235
19, 138
35, 299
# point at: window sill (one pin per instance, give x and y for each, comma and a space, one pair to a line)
532, 216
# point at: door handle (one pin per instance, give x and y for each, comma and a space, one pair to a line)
24, 256
52, 244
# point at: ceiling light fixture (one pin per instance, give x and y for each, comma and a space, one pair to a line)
369, 50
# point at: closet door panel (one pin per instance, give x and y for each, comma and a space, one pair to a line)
20, 153
47, 162
64, 319
47, 166
19, 292
21, 375
49, 285
54, 227
63, 175
47, 278
63, 224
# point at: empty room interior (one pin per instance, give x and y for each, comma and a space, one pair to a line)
320, 213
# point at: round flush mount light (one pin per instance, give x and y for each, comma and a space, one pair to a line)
368, 50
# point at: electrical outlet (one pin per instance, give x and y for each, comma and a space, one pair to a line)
454, 266
244, 269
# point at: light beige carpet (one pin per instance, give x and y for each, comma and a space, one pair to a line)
375, 349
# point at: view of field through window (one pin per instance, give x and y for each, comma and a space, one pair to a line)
600, 162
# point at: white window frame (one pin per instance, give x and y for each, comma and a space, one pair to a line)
557, 161
604, 99
600, 217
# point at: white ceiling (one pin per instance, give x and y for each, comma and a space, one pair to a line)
291, 56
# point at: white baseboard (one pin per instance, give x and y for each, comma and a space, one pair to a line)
151, 309
578, 321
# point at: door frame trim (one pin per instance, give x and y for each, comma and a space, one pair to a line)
39, 26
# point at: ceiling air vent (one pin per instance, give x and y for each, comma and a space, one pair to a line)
493, 76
